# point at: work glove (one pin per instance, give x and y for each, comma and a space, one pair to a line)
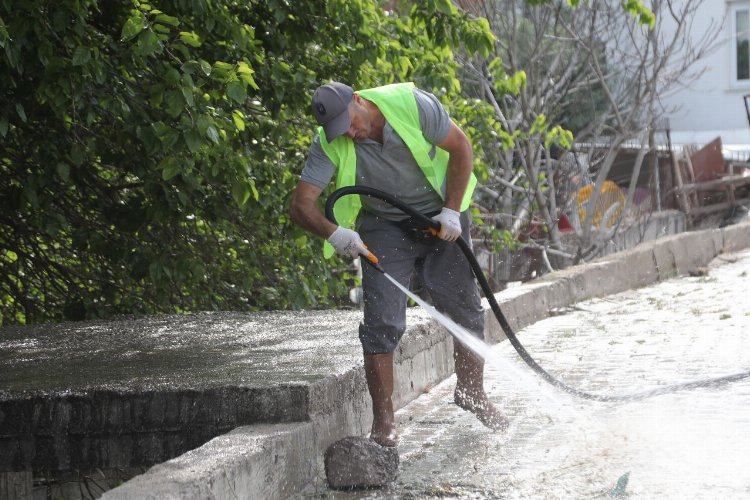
347, 243
450, 224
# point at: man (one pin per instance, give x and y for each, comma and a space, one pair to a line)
400, 140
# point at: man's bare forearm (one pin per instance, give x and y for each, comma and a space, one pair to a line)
460, 166
305, 212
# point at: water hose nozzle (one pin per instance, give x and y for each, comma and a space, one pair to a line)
374, 262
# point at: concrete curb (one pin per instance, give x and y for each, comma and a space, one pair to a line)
259, 461
275, 461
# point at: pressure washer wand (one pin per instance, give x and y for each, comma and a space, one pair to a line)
373, 261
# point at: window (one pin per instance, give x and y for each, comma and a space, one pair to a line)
741, 44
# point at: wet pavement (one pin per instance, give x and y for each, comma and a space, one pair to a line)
177, 352
692, 444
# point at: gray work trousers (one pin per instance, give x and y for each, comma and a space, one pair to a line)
444, 271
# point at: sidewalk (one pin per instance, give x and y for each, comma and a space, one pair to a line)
691, 444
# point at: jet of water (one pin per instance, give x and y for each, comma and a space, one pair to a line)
507, 369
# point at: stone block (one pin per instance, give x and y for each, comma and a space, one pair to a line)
358, 463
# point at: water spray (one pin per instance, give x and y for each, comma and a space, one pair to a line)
509, 333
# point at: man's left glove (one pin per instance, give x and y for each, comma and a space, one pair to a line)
450, 224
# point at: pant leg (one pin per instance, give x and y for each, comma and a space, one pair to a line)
384, 320
451, 283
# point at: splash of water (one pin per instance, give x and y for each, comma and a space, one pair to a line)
560, 403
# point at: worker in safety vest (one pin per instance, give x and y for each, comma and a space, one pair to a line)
398, 139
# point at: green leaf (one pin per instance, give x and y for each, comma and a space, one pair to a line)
155, 271
63, 170
202, 123
172, 76
236, 91
175, 103
241, 192
637, 9
539, 126
190, 38
30, 194
205, 67
52, 227
256, 195
245, 74
21, 112
560, 136
168, 20
212, 134
3, 33
132, 26
239, 119
148, 43
445, 6
224, 66
81, 56
77, 154
11, 256
182, 197
4, 125
187, 80
301, 241
160, 28
193, 139
170, 168
187, 93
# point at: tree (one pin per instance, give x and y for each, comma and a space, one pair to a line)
548, 58
149, 147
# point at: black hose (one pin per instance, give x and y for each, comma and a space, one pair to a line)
520, 349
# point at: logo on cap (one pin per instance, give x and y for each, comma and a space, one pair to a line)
321, 108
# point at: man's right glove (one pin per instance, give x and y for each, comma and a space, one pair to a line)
347, 243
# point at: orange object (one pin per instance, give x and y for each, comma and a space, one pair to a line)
610, 195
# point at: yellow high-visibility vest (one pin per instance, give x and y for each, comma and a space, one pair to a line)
399, 106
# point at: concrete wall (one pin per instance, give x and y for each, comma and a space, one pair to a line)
275, 461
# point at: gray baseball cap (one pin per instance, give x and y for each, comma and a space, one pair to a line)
330, 108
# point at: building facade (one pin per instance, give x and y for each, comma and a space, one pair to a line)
717, 103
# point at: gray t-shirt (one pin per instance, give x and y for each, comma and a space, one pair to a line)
390, 166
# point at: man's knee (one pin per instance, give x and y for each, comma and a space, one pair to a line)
382, 339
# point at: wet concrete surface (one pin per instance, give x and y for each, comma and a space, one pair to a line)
194, 351
139, 391
693, 444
